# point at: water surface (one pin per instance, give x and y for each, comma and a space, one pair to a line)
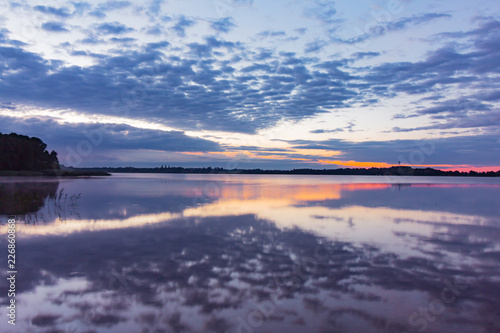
254, 253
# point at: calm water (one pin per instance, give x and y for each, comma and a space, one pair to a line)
204, 253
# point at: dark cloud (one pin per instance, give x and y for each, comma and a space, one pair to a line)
158, 45
206, 49
61, 12
98, 14
364, 55
44, 320
112, 5
223, 25
123, 39
4, 39
113, 28
54, 27
271, 33
301, 31
264, 54
229, 104
91, 40
315, 46
455, 108
181, 25
79, 53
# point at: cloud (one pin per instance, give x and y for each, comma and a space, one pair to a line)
123, 39
364, 55
91, 40
157, 45
455, 108
106, 139
324, 11
223, 25
480, 149
271, 33
406, 22
113, 28
98, 14
443, 69
348, 128
320, 131
154, 30
181, 25
229, 104
383, 28
81, 7
206, 49
62, 12
113, 5
155, 8
216, 84
315, 46
488, 120
54, 27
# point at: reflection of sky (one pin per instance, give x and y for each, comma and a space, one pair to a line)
198, 253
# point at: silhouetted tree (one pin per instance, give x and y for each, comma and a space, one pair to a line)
20, 152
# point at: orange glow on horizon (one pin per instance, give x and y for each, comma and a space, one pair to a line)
359, 164
443, 167
196, 153
351, 163
469, 168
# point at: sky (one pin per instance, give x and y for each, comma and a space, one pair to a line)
255, 84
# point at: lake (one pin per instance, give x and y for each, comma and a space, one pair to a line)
253, 253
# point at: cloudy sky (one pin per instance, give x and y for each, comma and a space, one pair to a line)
255, 84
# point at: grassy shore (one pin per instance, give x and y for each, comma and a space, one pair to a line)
53, 173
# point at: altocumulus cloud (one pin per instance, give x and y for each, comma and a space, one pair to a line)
54, 27
114, 28
198, 88
223, 25
62, 12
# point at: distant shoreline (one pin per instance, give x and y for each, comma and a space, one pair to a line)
52, 173
392, 171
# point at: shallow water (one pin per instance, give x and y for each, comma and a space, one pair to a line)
253, 253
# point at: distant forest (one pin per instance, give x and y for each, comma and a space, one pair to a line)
20, 152
392, 171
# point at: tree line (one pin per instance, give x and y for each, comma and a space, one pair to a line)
20, 152
391, 171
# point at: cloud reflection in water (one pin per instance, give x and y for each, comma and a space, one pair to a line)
207, 263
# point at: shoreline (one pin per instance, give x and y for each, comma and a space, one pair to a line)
52, 173
391, 171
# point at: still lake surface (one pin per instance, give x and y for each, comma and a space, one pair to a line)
253, 253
